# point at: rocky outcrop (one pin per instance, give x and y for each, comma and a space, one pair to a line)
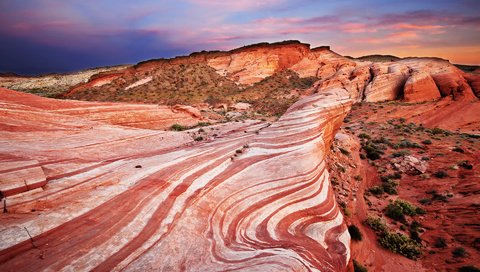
420, 87
256, 197
252, 64
224, 74
54, 84
387, 83
449, 79
122, 114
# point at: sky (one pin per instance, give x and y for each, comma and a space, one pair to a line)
45, 36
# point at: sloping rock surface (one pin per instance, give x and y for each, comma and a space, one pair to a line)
257, 197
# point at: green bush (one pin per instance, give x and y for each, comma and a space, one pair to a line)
344, 151
374, 152
437, 130
395, 212
408, 144
355, 233
466, 268
377, 224
401, 153
178, 127
440, 174
397, 243
390, 187
376, 190
440, 243
427, 142
401, 244
458, 149
466, 165
357, 267
363, 136
459, 252
399, 208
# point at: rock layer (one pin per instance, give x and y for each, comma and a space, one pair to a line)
255, 198
420, 87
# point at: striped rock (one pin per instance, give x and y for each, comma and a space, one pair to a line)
255, 198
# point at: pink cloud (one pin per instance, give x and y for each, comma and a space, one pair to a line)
237, 5
416, 27
356, 28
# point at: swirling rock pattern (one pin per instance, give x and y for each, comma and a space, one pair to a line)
256, 198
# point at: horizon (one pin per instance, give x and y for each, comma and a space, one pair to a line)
41, 37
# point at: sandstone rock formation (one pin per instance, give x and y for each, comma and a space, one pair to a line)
414, 79
121, 198
123, 114
420, 87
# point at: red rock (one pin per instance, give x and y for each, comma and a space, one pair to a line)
420, 87
387, 83
257, 196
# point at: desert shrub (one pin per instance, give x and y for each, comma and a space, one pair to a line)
458, 149
363, 136
178, 127
362, 156
439, 197
440, 174
395, 212
357, 267
355, 233
377, 224
382, 140
459, 252
199, 138
390, 187
473, 136
408, 144
401, 244
466, 165
374, 152
401, 153
440, 243
427, 142
203, 124
425, 201
344, 151
415, 236
466, 268
376, 190
396, 175
425, 158
399, 208
358, 178
437, 130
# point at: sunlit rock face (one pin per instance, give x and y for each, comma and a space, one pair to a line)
254, 63
420, 87
255, 198
448, 78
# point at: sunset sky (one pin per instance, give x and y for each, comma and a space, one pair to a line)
41, 36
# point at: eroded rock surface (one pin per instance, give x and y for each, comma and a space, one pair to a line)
256, 197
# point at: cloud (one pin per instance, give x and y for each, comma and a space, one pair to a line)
237, 5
